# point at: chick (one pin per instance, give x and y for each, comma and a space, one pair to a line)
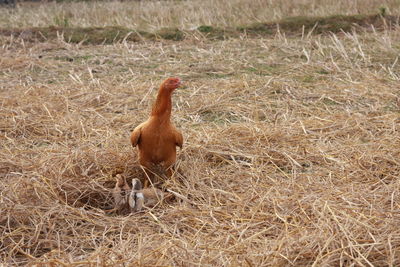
120, 192
136, 198
139, 197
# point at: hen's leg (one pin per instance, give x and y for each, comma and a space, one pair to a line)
168, 167
149, 176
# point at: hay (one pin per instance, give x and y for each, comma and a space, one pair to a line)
291, 153
290, 26
185, 15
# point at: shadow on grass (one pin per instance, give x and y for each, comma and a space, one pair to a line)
291, 25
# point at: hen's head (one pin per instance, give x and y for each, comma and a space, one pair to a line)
171, 83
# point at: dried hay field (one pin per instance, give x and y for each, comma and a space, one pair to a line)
291, 150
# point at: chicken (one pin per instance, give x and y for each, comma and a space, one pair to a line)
140, 197
121, 193
157, 137
136, 198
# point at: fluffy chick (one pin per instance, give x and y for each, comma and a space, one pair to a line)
139, 197
120, 192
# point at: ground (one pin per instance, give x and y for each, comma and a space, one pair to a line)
290, 157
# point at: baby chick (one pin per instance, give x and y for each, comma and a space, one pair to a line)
136, 198
139, 197
120, 192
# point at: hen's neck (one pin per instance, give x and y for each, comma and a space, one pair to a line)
163, 105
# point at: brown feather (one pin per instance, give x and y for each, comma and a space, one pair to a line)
157, 137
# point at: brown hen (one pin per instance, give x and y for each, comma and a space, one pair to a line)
157, 137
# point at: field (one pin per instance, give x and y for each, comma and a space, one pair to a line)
291, 151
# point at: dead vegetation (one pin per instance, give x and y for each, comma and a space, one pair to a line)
151, 16
290, 26
291, 153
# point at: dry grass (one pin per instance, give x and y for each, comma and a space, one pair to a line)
292, 26
185, 15
291, 153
